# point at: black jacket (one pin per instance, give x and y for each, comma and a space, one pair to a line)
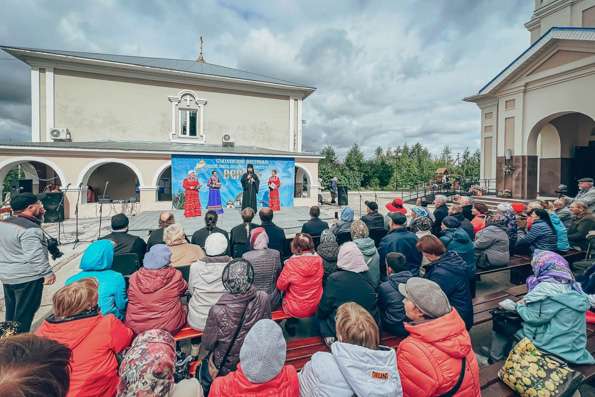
156, 237
467, 213
200, 236
239, 239
277, 239
403, 241
466, 225
439, 214
450, 273
342, 287
314, 227
390, 303
373, 220
127, 244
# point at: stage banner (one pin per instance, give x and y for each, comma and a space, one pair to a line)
229, 171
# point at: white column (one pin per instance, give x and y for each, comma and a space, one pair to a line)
299, 126
173, 101
49, 101
291, 127
35, 135
201, 130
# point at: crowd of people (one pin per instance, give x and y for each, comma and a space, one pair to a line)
410, 273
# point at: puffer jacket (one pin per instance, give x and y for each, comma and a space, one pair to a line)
223, 321
457, 240
466, 225
97, 263
350, 370
328, 251
154, 300
493, 242
206, 287
286, 384
372, 258
374, 220
267, 266
94, 341
390, 303
540, 236
450, 273
301, 280
561, 233
430, 358
403, 241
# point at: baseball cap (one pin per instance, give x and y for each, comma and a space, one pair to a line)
427, 296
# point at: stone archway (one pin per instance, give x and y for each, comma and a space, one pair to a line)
116, 179
162, 182
303, 182
40, 171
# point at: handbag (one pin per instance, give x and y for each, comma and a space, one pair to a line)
506, 322
530, 372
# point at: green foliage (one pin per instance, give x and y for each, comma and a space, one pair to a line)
12, 179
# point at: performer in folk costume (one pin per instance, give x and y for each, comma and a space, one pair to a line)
250, 184
214, 193
191, 187
274, 185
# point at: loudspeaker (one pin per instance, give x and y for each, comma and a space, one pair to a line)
343, 194
54, 207
25, 185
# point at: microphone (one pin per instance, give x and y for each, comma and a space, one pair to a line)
67, 186
80, 185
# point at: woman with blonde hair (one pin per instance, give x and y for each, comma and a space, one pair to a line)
93, 339
182, 252
357, 364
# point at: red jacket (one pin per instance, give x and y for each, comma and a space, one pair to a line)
154, 300
430, 358
94, 342
286, 384
301, 279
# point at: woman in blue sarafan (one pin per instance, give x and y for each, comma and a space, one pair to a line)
214, 185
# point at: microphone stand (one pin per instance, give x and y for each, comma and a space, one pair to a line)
101, 201
76, 240
61, 204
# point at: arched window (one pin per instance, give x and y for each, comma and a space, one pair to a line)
187, 117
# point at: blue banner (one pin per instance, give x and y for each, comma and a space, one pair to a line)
229, 171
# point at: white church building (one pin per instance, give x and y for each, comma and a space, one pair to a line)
538, 113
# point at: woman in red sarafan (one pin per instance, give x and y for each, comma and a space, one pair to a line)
274, 185
191, 187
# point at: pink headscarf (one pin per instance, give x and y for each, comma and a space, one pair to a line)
350, 258
259, 239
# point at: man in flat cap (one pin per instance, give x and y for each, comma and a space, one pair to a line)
24, 262
586, 193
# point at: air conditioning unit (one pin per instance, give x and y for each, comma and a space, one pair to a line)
226, 141
60, 134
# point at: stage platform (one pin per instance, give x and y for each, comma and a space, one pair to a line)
290, 219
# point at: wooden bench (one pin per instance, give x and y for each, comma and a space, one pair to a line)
517, 261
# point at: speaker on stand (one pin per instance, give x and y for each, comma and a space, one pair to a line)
54, 207
343, 195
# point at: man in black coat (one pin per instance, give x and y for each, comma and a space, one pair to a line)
315, 225
399, 239
390, 300
440, 213
126, 243
239, 237
276, 235
373, 219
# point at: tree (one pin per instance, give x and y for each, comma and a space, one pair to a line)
354, 164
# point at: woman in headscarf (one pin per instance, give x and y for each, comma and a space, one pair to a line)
328, 249
421, 222
265, 261
350, 284
360, 236
553, 312
182, 252
191, 187
342, 229
229, 320
148, 368
506, 210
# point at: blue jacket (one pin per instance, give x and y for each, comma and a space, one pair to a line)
403, 241
540, 236
561, 233
450, 273
390, 302
458, 240
96, 263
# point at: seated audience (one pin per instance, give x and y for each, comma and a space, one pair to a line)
373, 219
553, 312
438, 348
506, 210
229, 321
262, 370
182, 252
265, 261
94, 339
421, 222
518, 208
200, 236
301, 278
360, 236
563, 212
542, 234
399, 239
357, 364
562, 243
166, 218
32, 366
126, 243
480, 212
450, 272
97, 263
491, 243
205, 284
456, 239
397, 205
390, 300
343, 225
440, 212
582, 224
239, 237
315, 225
328, 249
276, 234
466, 203
586, 193
350, 284
148, 367
457, 212
154, 294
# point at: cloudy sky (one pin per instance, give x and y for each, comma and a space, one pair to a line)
387, 72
